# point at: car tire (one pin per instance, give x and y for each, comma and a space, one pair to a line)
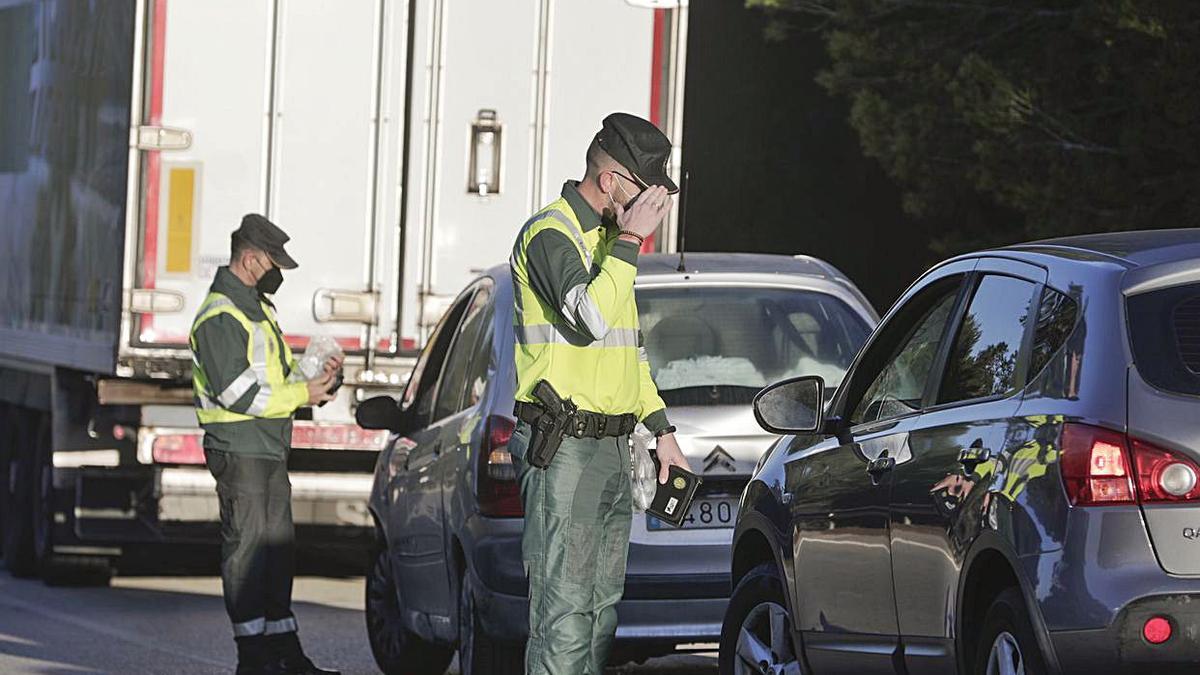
752, 637
479, 653
397, 650
19, 555
1007, 644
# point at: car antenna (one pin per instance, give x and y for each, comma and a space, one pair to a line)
683, 193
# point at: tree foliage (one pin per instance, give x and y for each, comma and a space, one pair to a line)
1076, 115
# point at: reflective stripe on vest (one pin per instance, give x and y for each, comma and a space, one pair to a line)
265, 369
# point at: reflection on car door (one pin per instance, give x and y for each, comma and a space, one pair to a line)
430, 579
414, 520
840, 494
940, 495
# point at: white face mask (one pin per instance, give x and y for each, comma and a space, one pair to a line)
628, 199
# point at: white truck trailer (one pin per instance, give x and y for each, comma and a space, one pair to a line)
400, 143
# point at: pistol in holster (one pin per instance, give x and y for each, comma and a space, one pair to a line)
548, 429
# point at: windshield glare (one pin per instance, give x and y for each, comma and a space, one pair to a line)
745, 337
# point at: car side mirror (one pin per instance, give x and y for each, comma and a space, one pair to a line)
380, 412
792, 406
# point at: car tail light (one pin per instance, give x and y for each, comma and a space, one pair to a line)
1101, 466
1095, 466
1157, 630
1163, 476
177, 449
499, 495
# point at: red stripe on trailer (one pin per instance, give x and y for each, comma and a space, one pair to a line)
301, 341
657, 75
153, 161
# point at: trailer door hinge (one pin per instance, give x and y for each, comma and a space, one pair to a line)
352, 306
162, 138
155, 301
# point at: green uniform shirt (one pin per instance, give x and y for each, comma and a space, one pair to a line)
221, 351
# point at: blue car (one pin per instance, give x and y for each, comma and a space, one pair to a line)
1005, 482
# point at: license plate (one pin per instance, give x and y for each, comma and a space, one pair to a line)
706, 512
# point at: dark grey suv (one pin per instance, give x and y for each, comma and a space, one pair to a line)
1005, 481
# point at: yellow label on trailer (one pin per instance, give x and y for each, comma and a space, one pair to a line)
181, 194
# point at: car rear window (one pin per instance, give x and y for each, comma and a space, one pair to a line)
1164, 329
719, 345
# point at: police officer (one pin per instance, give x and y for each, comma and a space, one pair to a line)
576, 326
247, 387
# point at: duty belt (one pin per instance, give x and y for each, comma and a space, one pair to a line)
585, 423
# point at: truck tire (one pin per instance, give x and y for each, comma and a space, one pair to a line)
19, 555
478, 652
7, 442
397, 650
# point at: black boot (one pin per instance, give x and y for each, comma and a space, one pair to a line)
290, 656
255, 656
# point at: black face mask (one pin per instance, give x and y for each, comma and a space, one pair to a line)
270, 282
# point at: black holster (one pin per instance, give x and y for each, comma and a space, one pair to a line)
548, 428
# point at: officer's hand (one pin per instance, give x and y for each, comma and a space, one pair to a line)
334, 364
646, 213
318, 388
669, 454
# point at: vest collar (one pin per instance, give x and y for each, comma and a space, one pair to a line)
244, 297
588, 218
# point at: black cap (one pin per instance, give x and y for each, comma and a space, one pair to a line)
639, 146
263, 234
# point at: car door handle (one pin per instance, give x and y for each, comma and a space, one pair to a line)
973, 456
881, 465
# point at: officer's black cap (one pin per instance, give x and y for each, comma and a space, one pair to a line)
639, 146
265, 235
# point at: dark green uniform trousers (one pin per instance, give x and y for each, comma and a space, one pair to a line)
257, 542
577, 517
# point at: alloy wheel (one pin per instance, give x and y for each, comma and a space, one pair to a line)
764, 645
1005, 657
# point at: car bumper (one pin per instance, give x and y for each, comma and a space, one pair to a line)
152, 504
1120, 648
1096, 593
673, 595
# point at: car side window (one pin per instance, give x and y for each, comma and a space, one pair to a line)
418, 394
481, 361
983, 358
1055, 320
897, 387
454, 375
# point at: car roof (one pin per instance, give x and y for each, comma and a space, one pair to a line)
663, 264
1136, 248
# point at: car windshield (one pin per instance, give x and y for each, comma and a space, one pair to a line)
721, 344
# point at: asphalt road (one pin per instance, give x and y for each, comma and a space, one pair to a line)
177, 625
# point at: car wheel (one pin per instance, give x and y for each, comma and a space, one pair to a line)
397, 651
478, 653
19, 555
757, 633
1007, 645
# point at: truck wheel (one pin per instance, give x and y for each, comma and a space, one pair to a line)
1007, 645
18, 508
757, 633
478, 653
8, 440
397, 650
